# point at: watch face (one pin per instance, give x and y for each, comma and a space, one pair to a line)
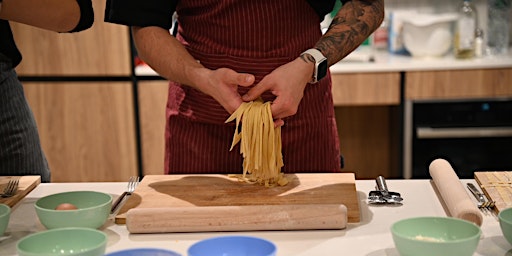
322, 70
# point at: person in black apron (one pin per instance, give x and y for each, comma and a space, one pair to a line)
20, 148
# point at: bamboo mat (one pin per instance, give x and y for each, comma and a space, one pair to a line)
497, 186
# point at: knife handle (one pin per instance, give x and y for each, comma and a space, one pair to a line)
118, 201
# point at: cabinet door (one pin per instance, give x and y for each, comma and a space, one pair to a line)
366, 89
87, 129
102, 50
366, 115
455, 84
152, 103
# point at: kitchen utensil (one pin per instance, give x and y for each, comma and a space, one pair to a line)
426, 236
233, 245
196, 191
497, 186
237, 218
93, 209
375, 197
483, 202
132, 184
11, 188
64, 241
382, 194
26, 184
452, 193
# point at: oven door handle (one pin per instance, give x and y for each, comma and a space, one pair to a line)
469, 132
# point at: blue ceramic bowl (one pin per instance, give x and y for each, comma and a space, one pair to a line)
144, 252
233, 246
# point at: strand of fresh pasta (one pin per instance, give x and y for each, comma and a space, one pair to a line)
260, 144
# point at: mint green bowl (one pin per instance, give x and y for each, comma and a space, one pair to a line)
427, 236
93, 209
5, 214
505, 218
64, 241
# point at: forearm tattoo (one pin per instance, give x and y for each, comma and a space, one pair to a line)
355, 21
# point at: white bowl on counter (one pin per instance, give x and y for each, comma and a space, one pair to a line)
428, 35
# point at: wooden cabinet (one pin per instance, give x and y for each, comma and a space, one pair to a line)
102, 50
368, 122
152, 104
87, 129
458, 84
366, 89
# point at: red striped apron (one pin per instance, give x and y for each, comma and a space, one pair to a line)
251, 37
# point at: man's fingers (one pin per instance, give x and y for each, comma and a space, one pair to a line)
254, 92
245, 79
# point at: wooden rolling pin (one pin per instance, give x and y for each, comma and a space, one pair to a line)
236, 218
454, 195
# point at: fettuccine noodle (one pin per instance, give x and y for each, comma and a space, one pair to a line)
260, 144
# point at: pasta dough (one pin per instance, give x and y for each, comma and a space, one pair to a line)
260, 144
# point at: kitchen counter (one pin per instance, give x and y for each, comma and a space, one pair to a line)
370, 237
383, 61
386, 62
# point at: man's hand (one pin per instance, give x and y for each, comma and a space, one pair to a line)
222, 84
287, 83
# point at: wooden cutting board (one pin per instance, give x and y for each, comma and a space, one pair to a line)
171, 191
497, 186
27, 184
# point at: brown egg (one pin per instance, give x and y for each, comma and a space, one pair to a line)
65, 207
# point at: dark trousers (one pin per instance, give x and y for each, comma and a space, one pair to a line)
20, 147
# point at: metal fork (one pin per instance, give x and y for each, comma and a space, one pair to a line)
11, 188
483, 203
132, 184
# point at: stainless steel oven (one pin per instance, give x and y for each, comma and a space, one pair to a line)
473, 135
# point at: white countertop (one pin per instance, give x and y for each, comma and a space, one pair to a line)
370, 237
386, 62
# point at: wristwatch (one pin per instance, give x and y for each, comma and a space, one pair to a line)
320, 64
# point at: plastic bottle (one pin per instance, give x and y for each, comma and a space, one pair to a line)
479, 43
465, 30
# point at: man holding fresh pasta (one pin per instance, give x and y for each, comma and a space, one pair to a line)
229, 52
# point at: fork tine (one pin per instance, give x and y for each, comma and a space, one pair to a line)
14, 187
132, 184
11, 188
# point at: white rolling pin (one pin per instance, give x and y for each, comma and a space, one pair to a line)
236, 218
454, 195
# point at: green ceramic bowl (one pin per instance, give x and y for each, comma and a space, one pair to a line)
64, 241
505, 217
426, 236
93, 209
5, 214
